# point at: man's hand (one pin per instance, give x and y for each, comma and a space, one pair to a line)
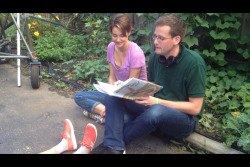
145, 100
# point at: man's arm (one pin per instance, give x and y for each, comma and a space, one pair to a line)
192, 107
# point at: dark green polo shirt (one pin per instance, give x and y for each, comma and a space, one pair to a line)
183, 79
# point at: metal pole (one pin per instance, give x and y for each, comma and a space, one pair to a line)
12, 56
30, 52
18, 52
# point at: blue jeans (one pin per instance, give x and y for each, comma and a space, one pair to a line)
145, 120
88, 100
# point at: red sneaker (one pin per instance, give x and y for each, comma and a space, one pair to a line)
69, 135
89, 137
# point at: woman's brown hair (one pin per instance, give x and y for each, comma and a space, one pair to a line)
122, 22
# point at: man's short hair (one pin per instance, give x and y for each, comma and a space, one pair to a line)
177, 26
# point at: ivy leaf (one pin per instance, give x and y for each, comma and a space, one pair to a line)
244, 39
236, 25
232, 73
213, 79
221, 89
213, 14
221, 35
246, 105
209, 93
213, 88
222, 73
141, 32
239, 50
246, 55
234, 104
223, 104
148, 30
228, 83
190, 41
202, 21
220, 56
236, 83
222, 62
145, 48
222, 26
206, 52
227, 24
211, 54
221, 46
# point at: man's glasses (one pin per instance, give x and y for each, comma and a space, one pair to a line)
159, 38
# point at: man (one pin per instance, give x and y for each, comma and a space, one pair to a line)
174, 110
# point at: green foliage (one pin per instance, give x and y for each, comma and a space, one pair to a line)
139, 35
209, 123
97, 35
215, 37
59, 45
61, 85
227, 90
237, 129
142, 34
91, 70
96, 39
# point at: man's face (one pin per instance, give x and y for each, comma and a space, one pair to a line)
164, 43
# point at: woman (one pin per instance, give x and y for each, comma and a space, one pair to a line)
126, 60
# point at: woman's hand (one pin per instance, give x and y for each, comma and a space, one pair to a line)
102, 113
118, 83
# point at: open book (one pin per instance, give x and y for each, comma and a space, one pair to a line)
129, 89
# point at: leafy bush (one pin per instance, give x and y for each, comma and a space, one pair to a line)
59, 45
91, 70
227, 90
97, 34
237, 129
215, 36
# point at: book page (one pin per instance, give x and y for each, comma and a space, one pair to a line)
147, 90
107, 87
99, 88
129, 89
136, 88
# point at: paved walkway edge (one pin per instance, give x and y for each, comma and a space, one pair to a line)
210, 145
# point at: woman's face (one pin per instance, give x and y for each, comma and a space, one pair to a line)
118, 38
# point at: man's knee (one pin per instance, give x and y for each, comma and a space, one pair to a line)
154, 114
